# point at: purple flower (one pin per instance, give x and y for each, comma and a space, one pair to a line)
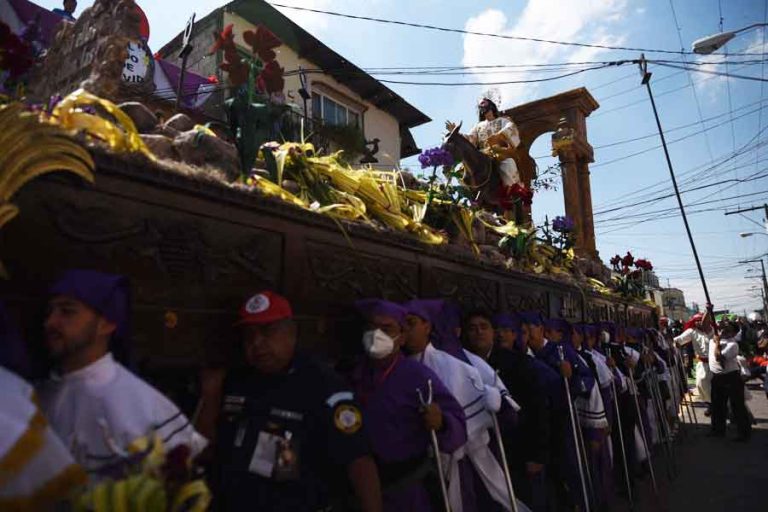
563, 224
435, 157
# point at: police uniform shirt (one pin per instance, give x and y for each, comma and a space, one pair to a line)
285, 440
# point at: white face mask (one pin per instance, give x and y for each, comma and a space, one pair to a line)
378, 344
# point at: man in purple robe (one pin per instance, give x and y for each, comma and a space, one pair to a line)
526, 442
386, 385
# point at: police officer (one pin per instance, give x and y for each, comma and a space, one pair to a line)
289, 428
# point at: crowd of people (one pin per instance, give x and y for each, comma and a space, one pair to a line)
445, 409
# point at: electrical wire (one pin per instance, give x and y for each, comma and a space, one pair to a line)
484, 34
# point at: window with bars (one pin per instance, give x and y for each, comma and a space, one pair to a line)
332, 112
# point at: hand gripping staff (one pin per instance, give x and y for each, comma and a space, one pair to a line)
436, 448
504, 464
642, 428
575, 431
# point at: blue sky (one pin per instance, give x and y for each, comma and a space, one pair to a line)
730, 108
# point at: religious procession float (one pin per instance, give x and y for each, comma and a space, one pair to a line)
199, 213
98, 170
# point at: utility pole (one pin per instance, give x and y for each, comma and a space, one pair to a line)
764, 207
646, 80
764, 290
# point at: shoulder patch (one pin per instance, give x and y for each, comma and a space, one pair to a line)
347, 418
341, 396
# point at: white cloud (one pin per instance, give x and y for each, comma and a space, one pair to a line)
593, 21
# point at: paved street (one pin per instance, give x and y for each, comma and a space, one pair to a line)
714, 475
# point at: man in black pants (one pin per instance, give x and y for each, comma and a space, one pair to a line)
727, 384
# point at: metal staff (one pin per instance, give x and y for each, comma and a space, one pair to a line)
504, 464
575, 432
642, 431
436, 448
583, 447
661, 419
621, 442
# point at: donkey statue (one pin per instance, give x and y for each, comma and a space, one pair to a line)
481, 172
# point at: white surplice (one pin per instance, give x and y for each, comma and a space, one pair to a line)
100, 409
466, 384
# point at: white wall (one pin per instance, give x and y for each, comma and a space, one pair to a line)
377, 123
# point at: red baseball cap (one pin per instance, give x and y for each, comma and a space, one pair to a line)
264, 308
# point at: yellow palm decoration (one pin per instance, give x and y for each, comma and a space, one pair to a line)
32, 148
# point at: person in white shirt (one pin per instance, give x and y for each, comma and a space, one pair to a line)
698, 332
727, 385
96, 405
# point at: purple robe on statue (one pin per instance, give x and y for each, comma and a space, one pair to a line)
396, 431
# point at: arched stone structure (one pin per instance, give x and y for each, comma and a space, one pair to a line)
565, 114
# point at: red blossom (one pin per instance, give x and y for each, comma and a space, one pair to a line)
271, 78
263, 42
616, 260
213, 79
643, 264
518, 191
223, 40
16, 55
238, 72
628, 260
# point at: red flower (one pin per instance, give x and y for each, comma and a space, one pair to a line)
643, 264
616, 260
262, 41
524, 194
224, 40
238, 72
628, 260
213, 79
271, 78
157, 56
16, 55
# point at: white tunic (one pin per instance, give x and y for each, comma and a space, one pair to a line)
467, 386
700, 343
100, 409
506, 128
44, 461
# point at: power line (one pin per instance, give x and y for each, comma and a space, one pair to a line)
688, 136
484, 34
711, 72
696, 172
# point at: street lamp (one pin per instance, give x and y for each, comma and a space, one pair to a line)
711, 44
745, 235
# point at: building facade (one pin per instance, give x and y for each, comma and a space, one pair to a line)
673, 302
337, 93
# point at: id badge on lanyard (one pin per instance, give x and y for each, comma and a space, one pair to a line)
276, 456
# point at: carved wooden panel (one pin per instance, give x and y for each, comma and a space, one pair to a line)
599, 311
569, 306
470, 291
522, 298
344, 274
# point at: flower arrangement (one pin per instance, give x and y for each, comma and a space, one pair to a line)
257, 101
629, 281
17, 56
149, 479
